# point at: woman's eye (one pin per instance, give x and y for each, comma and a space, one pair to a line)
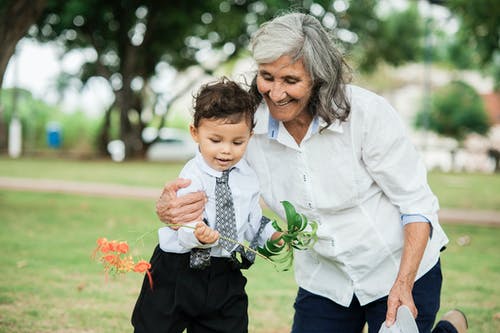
267, 77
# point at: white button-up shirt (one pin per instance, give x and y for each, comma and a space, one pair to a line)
356, 179
245, 192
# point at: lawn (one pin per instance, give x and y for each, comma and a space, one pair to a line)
50, 284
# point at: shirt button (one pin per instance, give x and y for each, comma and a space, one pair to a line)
310, 205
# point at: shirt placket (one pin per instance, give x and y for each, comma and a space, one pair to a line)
306, 179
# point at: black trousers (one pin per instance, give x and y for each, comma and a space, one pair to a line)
201, 301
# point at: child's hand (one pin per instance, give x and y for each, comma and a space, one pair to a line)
277, 235
205, 234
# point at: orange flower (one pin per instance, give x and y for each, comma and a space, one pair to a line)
115, 260
126, 264
122, 247
142, 266
101, 241
111, 259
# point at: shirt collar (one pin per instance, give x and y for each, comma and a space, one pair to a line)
266, 124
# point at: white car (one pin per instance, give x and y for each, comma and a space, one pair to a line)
172, 145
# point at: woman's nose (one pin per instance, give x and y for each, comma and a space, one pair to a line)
277, 92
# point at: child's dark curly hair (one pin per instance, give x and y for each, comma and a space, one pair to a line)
224, 99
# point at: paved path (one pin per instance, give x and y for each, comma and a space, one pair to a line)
461, 216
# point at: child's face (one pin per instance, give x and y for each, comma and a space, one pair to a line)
222, 144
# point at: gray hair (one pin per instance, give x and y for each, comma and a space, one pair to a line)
301, 36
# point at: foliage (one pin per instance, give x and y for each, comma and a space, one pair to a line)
33, 113
395, 38
456, 110
77, 130
129, 44
129, 38
476, 42
299, 234
478, 29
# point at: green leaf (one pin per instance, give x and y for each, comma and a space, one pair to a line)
290, 214
301, 235
276, 226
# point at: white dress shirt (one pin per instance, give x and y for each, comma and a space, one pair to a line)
248, 213
356, 179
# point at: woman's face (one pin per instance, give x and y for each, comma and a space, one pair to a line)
286, 87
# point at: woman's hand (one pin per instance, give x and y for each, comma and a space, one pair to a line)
400, 294
205, 234
178, 210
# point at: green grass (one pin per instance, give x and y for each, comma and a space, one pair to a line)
466, 191
50, 284
133, 173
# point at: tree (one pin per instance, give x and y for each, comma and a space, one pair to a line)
478, 27
456, 110
131, 39
478, 31
16, 16
395, 38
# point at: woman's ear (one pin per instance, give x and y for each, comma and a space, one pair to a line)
194, 133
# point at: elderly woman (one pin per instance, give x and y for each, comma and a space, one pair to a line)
341, 155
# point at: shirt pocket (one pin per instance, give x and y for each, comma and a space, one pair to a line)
335, 180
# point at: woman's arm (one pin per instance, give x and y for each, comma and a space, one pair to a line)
416, 235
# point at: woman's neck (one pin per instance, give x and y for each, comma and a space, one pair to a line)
299, 126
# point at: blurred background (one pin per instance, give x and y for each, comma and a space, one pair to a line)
95, 103
114, 79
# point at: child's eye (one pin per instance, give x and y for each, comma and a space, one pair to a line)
215, 140
237, 143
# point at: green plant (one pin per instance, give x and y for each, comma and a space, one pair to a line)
299, 234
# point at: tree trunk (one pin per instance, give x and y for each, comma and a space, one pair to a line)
130, 133
103, 137
495, 155
15, 19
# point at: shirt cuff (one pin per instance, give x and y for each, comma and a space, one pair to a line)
412, 218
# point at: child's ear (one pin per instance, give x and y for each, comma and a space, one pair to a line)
194, 133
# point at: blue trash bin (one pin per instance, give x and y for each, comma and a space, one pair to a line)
54, 136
